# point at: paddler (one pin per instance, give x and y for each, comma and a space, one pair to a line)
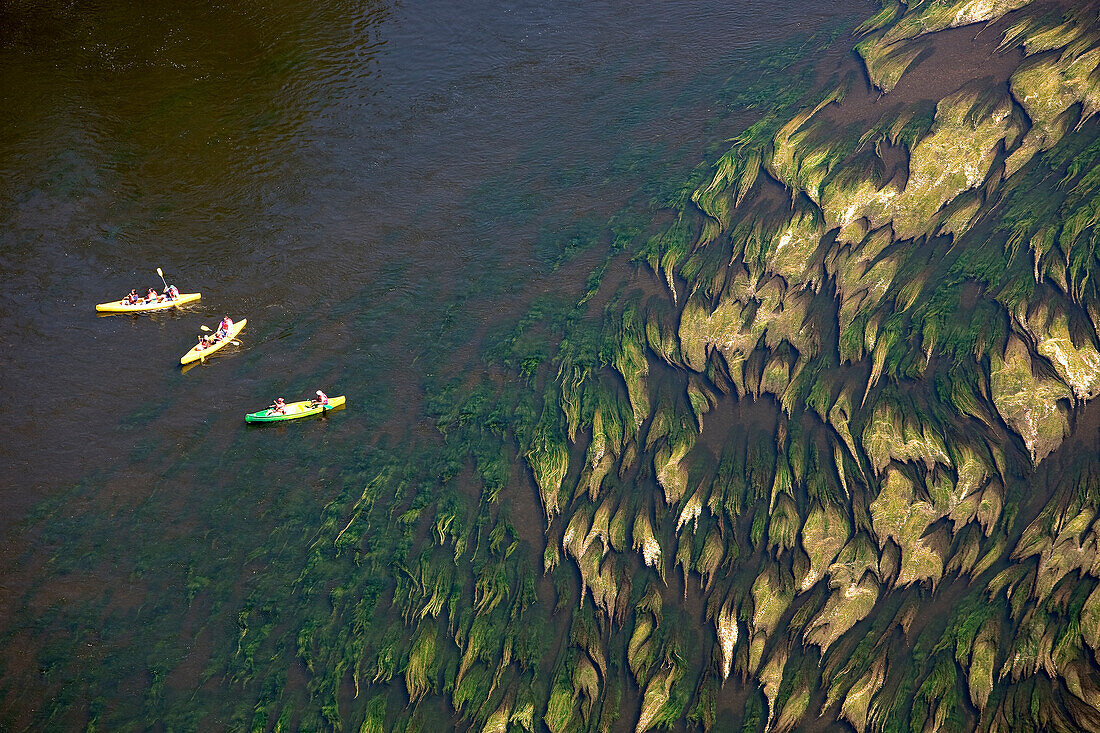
278, 407
172, 292
204, 342
320, 399
132, 298
223, 328
151, 296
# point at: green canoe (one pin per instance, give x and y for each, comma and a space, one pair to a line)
294, 410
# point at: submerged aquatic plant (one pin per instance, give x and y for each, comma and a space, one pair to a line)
805, 476
901, 432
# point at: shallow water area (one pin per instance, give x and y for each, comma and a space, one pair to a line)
374, 186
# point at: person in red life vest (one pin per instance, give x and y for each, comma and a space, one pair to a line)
132, 298
278, 407
320, 399
151, 296
223, 328
172, 292
204, 342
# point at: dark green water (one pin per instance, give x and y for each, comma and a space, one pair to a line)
375, 187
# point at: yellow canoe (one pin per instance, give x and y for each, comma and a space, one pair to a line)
198, 354
294, 410
119, 306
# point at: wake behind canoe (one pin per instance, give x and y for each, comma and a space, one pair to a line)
197, 353
118, 306
294, 410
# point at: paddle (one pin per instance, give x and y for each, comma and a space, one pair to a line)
166, 295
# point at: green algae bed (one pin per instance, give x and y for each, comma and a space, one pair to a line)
835, 466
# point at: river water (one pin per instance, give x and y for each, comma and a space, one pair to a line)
374, 185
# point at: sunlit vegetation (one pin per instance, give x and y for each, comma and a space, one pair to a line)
800, 477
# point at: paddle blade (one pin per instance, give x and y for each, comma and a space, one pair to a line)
204, 327
160, 272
